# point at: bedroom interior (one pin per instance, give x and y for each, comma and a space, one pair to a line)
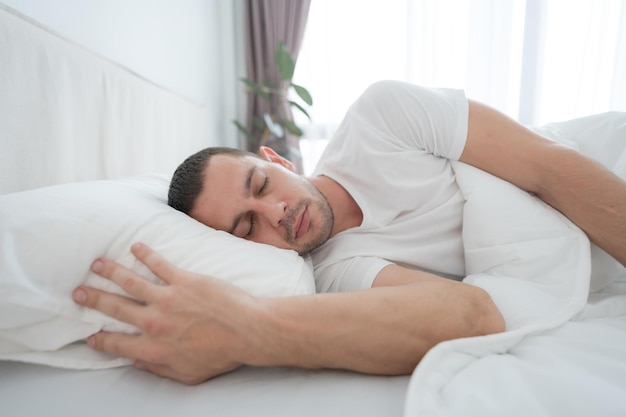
100, 100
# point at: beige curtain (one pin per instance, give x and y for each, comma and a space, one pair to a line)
268, 23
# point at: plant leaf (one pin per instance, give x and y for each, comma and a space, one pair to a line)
303, 93
244, 131
291, 127
258, 123
269, 85
256, 89
299, 107
284, 62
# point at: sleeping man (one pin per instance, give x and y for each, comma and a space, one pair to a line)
381, 218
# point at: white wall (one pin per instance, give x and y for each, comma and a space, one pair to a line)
190, 46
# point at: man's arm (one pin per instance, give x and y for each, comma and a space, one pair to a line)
196, 327
582, 189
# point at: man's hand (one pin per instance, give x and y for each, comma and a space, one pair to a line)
189, 329
195, 327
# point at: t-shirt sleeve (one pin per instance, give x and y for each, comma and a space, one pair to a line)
391, 143
351, 274
430, 119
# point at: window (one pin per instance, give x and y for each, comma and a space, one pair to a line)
535, 60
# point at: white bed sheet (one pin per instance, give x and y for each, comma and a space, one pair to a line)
33, 390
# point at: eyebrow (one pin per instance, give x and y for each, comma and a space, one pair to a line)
247, 192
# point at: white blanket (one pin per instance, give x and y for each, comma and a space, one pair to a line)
564, 351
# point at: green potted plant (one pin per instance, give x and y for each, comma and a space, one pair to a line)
270, 129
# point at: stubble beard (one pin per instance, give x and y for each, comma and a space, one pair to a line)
322, 226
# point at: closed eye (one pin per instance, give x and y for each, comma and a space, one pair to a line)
252, 225
264, 187
266, 183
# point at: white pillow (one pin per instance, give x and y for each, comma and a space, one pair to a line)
50, 236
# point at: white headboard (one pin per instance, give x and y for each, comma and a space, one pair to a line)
68, 114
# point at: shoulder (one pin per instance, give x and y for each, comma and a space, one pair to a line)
431, 119
386, 92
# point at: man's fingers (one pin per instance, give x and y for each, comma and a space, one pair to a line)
147, 357
120, 344
155, 262
119, 307
129, 281
165, 371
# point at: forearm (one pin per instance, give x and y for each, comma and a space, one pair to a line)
586, 192
197, 327
384, 330
590, 195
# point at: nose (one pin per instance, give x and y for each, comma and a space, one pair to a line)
273, 211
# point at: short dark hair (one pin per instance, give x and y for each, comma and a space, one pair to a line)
188, 179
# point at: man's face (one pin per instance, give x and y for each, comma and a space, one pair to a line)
263, 202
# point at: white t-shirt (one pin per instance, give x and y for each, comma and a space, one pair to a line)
391, 153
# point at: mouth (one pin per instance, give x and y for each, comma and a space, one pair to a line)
302, 223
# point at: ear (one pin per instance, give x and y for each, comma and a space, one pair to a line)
272, 156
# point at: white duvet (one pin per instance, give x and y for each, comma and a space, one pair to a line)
564, 350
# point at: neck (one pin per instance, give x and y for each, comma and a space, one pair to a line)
346, 211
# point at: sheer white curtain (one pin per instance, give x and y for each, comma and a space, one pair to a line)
535, 60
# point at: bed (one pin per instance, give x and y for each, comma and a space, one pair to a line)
65, 144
